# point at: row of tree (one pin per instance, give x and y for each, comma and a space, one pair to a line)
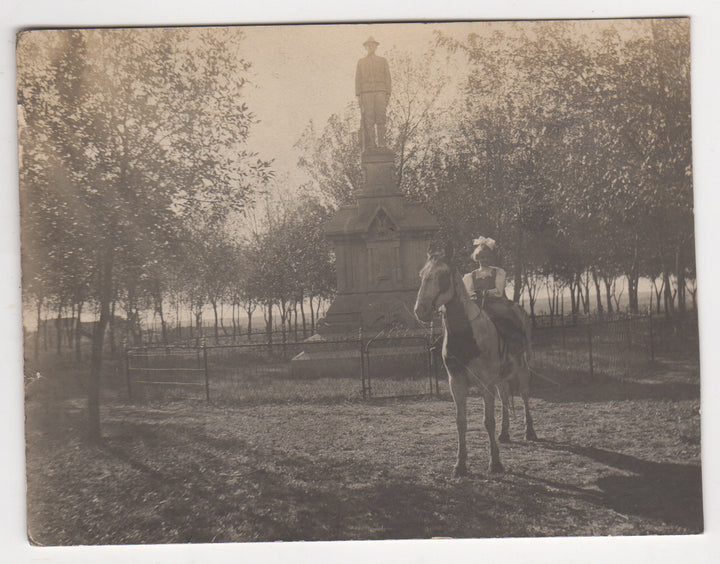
135, 175
567, 142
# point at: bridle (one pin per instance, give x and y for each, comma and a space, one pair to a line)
449, 292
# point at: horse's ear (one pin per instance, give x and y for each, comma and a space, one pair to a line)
435, 249
441, 249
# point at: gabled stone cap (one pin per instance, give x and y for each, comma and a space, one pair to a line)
347, 220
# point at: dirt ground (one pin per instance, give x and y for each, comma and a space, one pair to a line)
614, 458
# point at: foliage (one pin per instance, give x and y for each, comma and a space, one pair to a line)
127, 133
567, 142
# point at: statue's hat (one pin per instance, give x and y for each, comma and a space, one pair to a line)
371, 40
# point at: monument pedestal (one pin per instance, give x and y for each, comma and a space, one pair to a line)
380, 245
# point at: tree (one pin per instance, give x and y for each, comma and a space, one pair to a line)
332, 157
129, 129
589, 131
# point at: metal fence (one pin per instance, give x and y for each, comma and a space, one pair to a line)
310, 370
389, 364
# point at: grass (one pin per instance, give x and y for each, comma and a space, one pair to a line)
615, 458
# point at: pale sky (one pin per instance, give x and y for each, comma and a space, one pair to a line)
307, 72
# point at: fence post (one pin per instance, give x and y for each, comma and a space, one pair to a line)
205, 366
590, 349
127, 369
362, 362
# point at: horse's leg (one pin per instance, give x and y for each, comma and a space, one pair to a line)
459, 390
489, 400
504, 388
524, 380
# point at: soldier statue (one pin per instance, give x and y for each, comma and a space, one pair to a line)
372, 87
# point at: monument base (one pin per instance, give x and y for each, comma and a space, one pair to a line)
372, 311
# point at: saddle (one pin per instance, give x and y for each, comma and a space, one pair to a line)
511, 332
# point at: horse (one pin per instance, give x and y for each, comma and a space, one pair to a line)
472, 354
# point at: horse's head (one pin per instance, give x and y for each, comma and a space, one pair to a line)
436, 287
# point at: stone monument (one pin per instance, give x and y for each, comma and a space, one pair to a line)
380, 240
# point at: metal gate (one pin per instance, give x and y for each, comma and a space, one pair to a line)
167, 370
398, 366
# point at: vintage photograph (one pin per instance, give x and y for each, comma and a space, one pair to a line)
359, 282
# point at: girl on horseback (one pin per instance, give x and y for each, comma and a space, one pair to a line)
486, 286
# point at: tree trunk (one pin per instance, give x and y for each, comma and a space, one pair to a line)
234, 319
312, 316
633, 303
269, 323
669, 298
302, 314
198, 326
217, 325
517, 282
249, 322
633, 279
105, 297
658, 292
78, 333
111, 327
598, 293
575, 296
283, 317
138, 324
680, 274
532, 297
161, 313
58, 329
222, 317
608, 294
70, 328
550, 298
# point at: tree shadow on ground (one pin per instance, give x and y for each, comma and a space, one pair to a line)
286, 496
666, 491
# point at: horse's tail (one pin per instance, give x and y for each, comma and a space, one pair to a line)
526, 365
507, 399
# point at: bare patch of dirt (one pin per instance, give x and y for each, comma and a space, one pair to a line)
615, 458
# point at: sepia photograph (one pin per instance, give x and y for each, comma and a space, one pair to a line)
359, 281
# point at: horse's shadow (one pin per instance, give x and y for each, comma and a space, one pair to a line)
668, 492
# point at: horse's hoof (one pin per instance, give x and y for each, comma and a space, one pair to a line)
496, 468
459, 471
504, 438
530, 436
